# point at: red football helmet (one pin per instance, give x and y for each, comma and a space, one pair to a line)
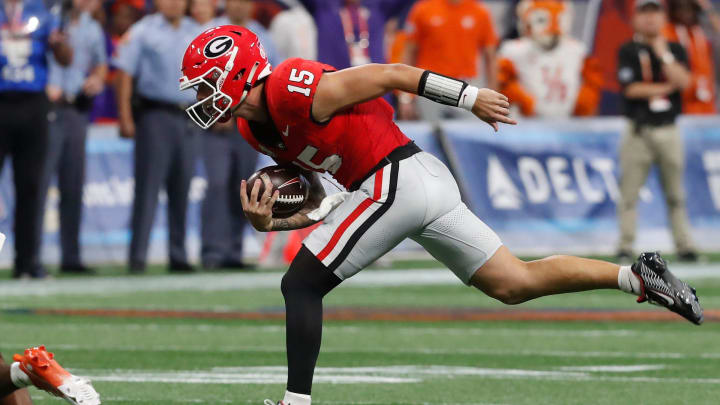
222, 64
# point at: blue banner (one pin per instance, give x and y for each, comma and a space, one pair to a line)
552, 186
544, 186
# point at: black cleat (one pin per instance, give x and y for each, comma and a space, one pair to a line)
660, 287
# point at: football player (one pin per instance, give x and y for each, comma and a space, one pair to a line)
546, 72
325, 120
38, 367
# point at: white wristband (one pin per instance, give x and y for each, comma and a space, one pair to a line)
468, 97
18, 377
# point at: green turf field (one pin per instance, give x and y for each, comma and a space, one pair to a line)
160, 360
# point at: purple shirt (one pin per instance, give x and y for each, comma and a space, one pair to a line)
332, 48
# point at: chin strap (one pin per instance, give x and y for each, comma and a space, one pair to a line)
248, 82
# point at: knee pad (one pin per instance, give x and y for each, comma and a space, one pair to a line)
308, 275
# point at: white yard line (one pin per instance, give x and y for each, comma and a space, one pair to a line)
616, 369
382, 375
245, 281
369, 328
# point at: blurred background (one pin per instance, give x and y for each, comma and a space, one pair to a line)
105, 178
552, 184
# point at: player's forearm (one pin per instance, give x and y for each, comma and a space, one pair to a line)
297, 221
648, 90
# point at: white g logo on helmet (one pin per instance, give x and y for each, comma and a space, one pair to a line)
218, 47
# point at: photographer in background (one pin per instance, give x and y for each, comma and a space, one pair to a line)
71, 91
652, 73
28, 32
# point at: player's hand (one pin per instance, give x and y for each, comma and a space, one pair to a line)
127, 127
258, 208
492, 107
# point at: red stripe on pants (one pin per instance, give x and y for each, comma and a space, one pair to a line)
353, 216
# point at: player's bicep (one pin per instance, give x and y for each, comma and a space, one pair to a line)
342, 89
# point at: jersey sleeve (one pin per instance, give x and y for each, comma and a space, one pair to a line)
628, 67
291, 89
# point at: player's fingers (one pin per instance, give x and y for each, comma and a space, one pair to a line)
504, 103
504, 119
274, 198
502, 111
254, 193
267, 193
243, 194
493, 124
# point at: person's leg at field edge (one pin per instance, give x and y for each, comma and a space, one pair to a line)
513, 281
10, 394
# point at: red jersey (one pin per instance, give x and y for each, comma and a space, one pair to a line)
347, 146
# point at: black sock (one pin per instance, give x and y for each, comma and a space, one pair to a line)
304, 286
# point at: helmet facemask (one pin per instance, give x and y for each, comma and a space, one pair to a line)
213, 105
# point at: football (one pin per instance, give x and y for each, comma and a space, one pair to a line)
289, 181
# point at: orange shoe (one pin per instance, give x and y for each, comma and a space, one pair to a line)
46, 374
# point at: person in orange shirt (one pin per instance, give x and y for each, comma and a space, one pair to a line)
447, 37
684, 27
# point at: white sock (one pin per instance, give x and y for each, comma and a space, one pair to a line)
18, 377
292, 398
628, 281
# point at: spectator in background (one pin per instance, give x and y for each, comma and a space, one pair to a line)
239, 12
685, 28
165, 139
203, 12
547, 73
124, 13
652, 73
447, 36
228, 160
294, 33
71, 91
351, 32
28, 32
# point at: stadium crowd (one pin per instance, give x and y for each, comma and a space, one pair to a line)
124, 71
